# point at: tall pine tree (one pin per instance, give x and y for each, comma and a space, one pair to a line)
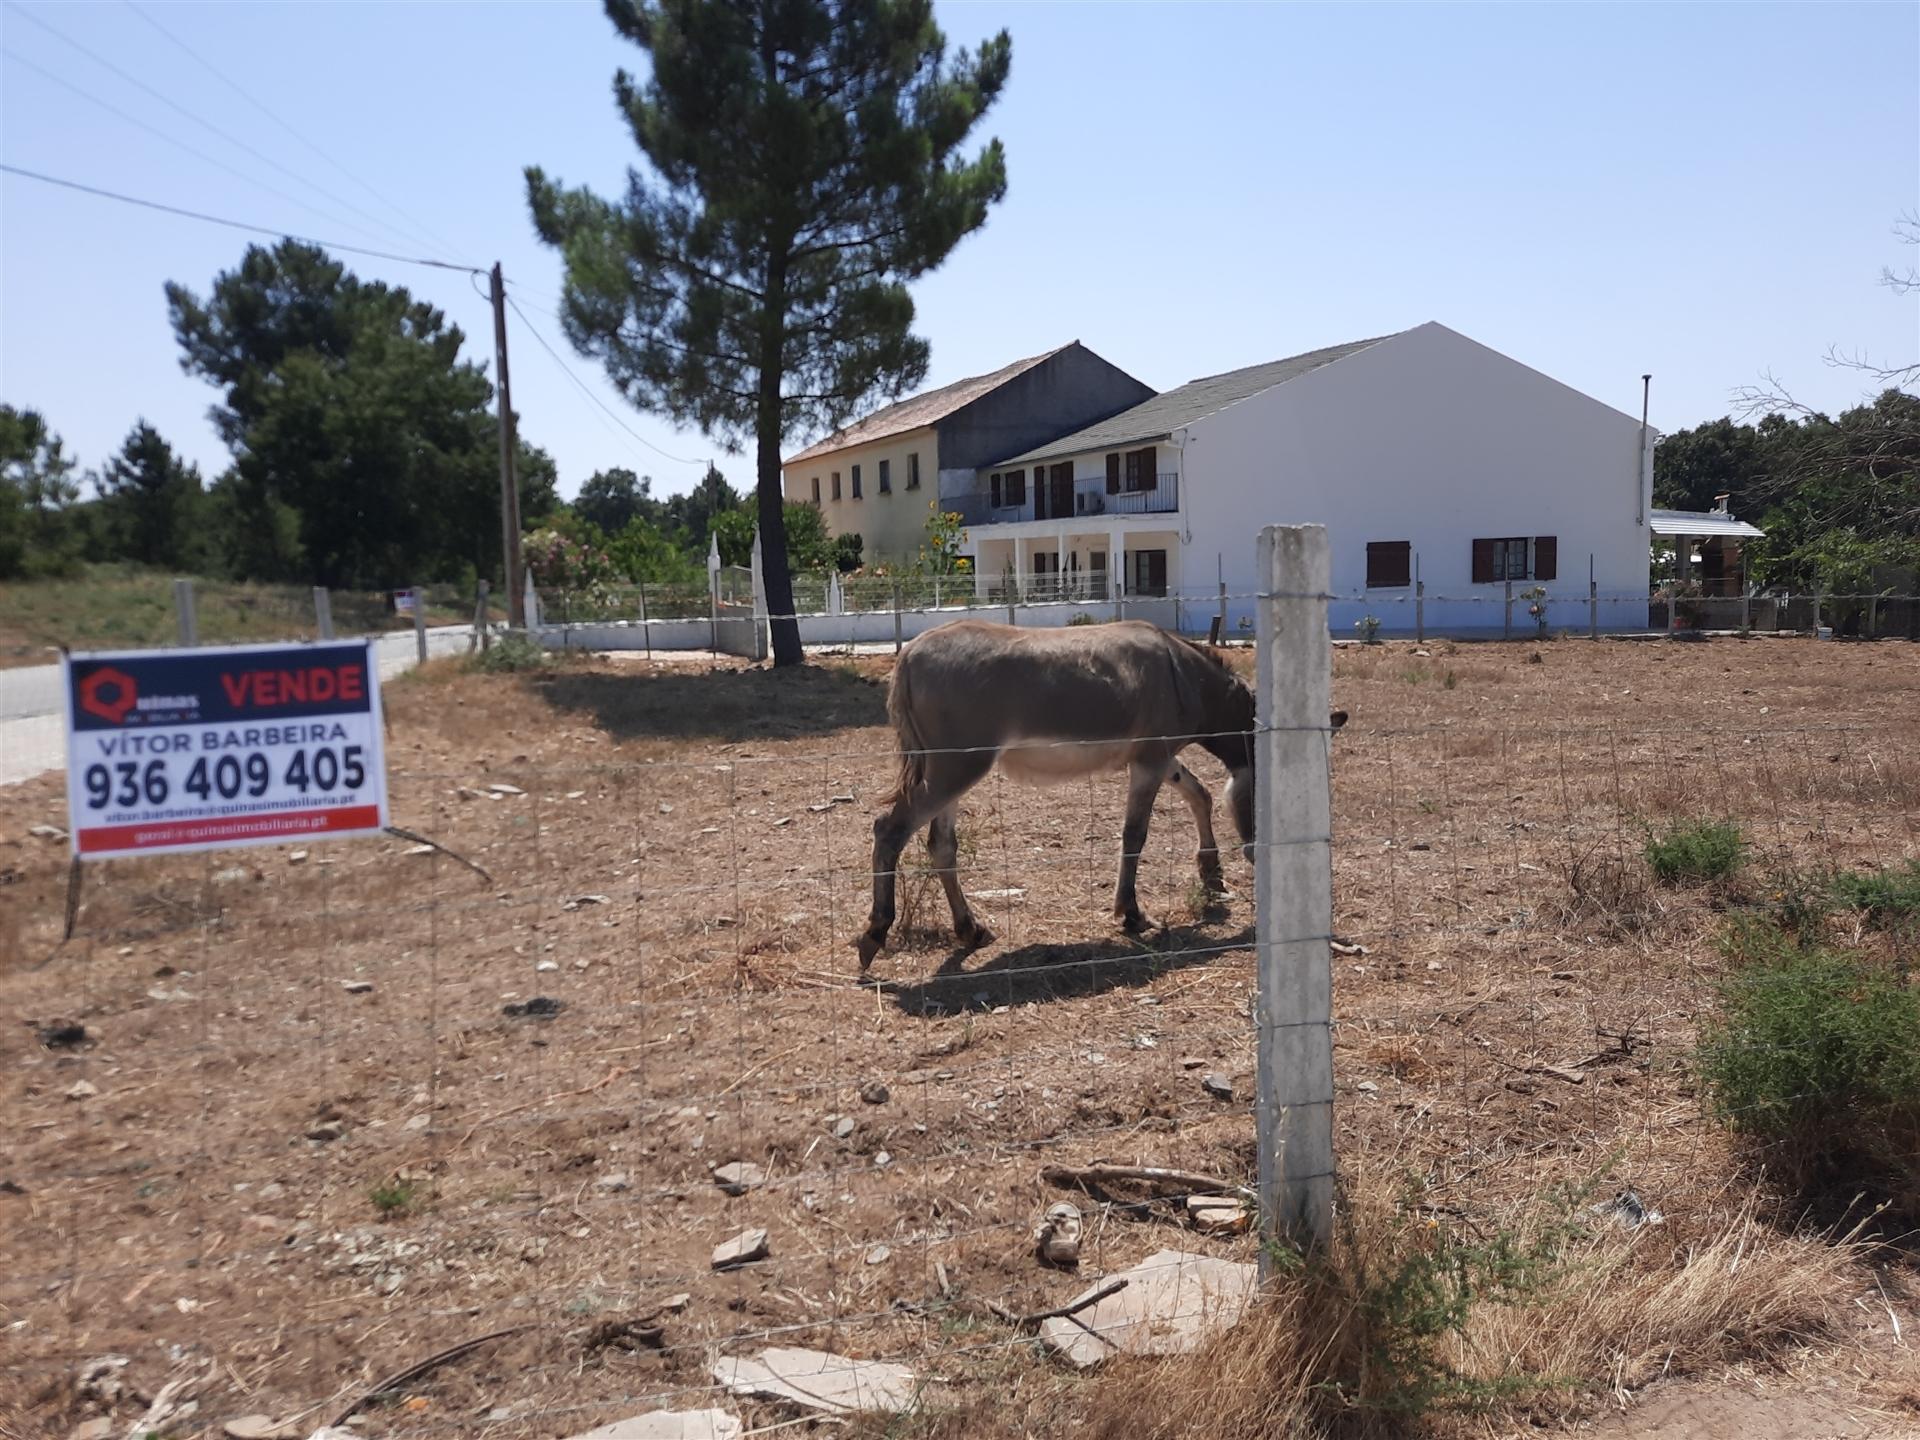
151, 501
803, 163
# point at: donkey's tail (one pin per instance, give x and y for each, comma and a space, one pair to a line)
913, 759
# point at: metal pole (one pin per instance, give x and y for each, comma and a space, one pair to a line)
1640, 468
420, 622
323, 612
1419, 603
896, 617
509, 489
183, 612
646, 621
1293, 886
480, 622
1506, 622
1593, 603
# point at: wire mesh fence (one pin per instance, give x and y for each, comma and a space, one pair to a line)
333, 1110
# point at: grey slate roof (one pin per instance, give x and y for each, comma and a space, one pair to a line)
1165, 413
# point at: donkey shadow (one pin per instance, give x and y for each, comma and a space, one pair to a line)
1042, 974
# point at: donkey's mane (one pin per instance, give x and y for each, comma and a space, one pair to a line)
1213, 657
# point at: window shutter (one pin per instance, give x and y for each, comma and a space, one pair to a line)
1389, 564
1149, 460
993, 483
1113, 473
1483, 562
1546, 557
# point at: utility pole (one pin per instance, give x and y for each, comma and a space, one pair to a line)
509, 490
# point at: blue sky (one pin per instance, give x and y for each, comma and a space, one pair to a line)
1704, 191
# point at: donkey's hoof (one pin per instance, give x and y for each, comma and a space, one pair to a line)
868, 947
975, 937
1134, 923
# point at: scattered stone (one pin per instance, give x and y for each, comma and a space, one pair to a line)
545, 965
1419, 845
814, 1380
1057, 1240
540, 1007
12, 1187
326, 1131
883, 1159
357, 987
500, 787
874, 1093
669, 1425
272, 1190
46, 832
1012, 893
742, 1249
62, 1035
1629, 1210
1174, 1301
418, 850
82, 1090
419, 1122
1367, 1087
257, 1427
843, 1127
614, 1182
98, 1429
1217, 1215
1563, 975
1217, 1085
298, 857
580, 900
1435, 965
739, 1177
99, 1380
1192, 1062
232, 875
878, 1255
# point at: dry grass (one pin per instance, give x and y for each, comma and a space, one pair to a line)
1608, 1312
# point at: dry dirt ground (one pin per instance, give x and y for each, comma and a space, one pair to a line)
284, 1189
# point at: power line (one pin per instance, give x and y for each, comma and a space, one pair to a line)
278, 234
215, 130
158, 133
587, 391
420, 231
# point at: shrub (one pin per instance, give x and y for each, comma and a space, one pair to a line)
1816, 1052
1890, 899
511, 654
1692, 852
1368, 628
1082, 618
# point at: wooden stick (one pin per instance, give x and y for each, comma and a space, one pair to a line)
1086, 1176
1065, 1312
432, 1362
435, 844
761, 1066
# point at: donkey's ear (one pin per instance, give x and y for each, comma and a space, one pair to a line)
1336, 719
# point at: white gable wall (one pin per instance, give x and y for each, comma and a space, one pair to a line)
1431, 438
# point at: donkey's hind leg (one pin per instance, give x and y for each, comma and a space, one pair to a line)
1143, 783
1201, 803
943, 845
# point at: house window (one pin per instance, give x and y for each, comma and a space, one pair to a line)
816, 489
913, 471
1009, 489
836, 484
856, 482
886, 477
1389, 564
993, 489
1148, 572
1515, 557
1140, 469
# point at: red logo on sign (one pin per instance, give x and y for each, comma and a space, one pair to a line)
109, 693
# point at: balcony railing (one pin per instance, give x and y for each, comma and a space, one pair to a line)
978, 509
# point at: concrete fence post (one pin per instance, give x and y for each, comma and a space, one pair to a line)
1746, 609
420, 622
183, 612
323, 612
1293, 882
1506, 614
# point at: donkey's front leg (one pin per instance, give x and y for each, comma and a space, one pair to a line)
1201, 804
1143, 784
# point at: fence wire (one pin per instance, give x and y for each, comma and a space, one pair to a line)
333, 1110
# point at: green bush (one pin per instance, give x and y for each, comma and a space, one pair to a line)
1815, 1051
1890, 899
512, 654
1692, 852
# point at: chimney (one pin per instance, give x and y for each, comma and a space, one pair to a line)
1720, 503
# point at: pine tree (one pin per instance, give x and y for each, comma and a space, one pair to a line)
803, 164
152, 501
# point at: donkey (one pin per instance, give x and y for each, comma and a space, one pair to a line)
1050, 706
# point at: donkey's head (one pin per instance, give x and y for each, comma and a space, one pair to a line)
1237, 754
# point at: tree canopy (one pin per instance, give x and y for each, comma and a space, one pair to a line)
37, 490
152, 505
803, 164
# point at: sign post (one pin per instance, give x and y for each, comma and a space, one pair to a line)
219, 747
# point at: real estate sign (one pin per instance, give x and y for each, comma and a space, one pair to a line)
208, 749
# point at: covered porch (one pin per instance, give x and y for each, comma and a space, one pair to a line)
1708, 558
1094, 558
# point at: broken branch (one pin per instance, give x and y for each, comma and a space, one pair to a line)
1065, 1312
1085, 1177
423, 1367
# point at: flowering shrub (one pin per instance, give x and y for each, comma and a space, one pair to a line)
559, 562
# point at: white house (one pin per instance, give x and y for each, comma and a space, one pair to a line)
1438, 466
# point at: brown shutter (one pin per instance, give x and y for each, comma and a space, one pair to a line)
994, 483
1546, 557
1389, 564
1113, 473
1149, 462
1482, 562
